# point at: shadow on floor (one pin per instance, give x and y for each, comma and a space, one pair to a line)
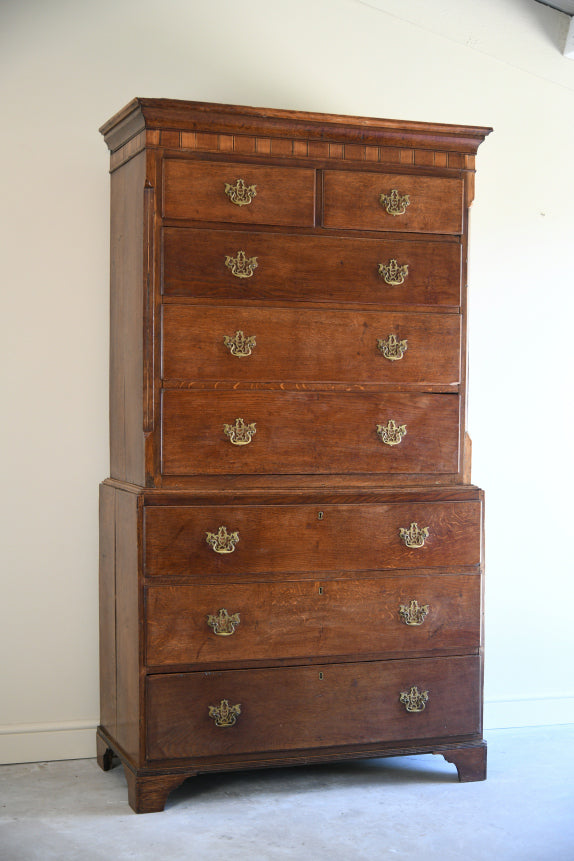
308, 779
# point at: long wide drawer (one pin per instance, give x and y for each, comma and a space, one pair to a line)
279, 344
276, 620
208, 264
379, 201
198, 541
307, 432
244, 711
240, 193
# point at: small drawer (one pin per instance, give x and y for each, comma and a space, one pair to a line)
197, 542
238, 193
195, 715
401, 202
248, 266
279, 345
234, 622
286, 432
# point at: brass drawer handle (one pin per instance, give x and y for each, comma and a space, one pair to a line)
240, 194
393, 273
391, 348
223, 624
414, 700
391, 433
225, 715
413, 613
414, 536
222, 541
240, 433
240, 344
395, 203
241, 266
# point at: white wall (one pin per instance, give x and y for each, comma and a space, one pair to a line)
65, 67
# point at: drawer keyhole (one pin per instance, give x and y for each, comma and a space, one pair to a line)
320, 515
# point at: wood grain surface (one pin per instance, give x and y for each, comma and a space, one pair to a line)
296, 268
294, 539
352, 200
302, 618
291, 708
309, 346
195, 190
306, 432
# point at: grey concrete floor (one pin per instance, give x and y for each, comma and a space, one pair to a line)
406, 807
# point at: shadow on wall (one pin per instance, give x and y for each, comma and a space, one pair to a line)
552, 22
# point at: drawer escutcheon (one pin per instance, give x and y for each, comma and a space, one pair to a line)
395, 203
241, 265
224, 714
223, 624
391, 433
240, 194
240, 433
391, 348
414, 700
413, 613
393, 273
414, 536
222, 541
240, 345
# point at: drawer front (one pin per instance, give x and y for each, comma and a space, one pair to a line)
304, 432
308, 540
200, 263
401, 202
246, 711
215, 191
192, 624
278, 344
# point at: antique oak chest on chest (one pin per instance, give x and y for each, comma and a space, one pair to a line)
291, 548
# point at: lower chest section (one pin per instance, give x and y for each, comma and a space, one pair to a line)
280, 627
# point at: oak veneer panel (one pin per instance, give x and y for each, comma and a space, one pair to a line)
288, 539
352, 200
309, 346
305, 432
293, 708
294, 268
295, 619
127, 456
196, 190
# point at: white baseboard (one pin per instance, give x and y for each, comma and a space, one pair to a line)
47, 741
77, 739
537, 711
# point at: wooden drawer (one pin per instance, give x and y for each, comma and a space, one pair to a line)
308, 540
234, 622
309, 432
309, 346
353, 200
292, 708
197, 190
311, 268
